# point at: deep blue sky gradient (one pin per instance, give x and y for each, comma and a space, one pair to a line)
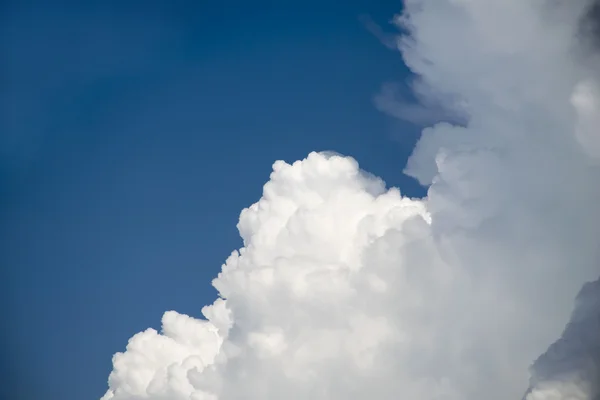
131, 138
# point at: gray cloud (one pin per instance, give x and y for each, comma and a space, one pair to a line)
571, 365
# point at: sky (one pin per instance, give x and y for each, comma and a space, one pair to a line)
132, 136
252, 202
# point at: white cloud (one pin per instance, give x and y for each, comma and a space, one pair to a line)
347, 290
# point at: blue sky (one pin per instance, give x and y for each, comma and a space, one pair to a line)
133, 136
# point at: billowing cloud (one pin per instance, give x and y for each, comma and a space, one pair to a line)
345, 289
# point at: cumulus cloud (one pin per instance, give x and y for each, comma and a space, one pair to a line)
345, 289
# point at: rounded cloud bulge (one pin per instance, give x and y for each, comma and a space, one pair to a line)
346, 289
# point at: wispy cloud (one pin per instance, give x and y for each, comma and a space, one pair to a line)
388, 39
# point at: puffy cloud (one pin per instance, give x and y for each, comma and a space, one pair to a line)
345, 289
